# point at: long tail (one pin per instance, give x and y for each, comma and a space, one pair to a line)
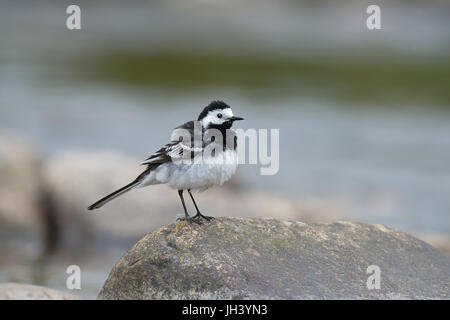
114, 195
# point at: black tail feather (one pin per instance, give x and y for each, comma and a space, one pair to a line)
114, 195
124, 189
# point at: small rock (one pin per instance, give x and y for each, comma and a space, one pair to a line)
16, 291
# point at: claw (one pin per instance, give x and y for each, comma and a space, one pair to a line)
199, 215
190, 220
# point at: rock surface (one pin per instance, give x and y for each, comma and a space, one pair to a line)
266, 258
16, 291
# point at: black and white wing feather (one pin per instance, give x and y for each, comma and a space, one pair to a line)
184, 145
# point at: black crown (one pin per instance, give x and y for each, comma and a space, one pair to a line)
214, 105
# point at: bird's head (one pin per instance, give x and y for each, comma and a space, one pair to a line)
217, 115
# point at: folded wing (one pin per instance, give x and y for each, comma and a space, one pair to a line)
185, 143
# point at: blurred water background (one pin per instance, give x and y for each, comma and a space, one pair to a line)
364, 116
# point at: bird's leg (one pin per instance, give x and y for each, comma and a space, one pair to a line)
199, 215
186, 215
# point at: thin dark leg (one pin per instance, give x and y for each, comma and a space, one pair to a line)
186, 215
198, 211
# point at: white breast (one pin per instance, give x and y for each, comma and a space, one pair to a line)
199, 175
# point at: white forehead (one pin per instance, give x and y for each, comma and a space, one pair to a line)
212, 116
227, 112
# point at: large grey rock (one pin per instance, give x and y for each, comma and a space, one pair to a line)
16, 291
76, 179
266, 258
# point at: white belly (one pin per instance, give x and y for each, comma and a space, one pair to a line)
195, 176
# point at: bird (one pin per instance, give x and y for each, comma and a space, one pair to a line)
195, 159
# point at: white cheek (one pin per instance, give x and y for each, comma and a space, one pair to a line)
211, 119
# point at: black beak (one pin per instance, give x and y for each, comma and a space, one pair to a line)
235, 119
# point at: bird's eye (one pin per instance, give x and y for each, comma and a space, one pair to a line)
219, 115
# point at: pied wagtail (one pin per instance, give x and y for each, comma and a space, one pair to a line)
197, 164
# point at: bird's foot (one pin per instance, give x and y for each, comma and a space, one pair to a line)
190, 220
199, 215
